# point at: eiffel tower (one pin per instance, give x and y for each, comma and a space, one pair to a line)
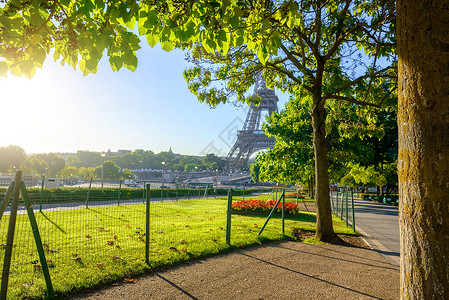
252, 138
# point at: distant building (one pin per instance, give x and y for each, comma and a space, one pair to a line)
119, 152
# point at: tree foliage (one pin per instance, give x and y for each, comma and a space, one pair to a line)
11, 156
255, 172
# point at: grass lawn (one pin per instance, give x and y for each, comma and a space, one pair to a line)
87, 247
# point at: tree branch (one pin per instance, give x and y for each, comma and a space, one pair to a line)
351, 83
289, 75
295, 61
352, 100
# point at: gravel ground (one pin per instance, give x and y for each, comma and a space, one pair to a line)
286, 270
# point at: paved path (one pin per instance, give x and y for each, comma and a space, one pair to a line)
286, 270
379, 223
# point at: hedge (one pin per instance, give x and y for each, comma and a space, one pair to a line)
62, 195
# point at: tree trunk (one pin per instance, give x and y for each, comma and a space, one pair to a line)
310, 184
423, 164
324, 228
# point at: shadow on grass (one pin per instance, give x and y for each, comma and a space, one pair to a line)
131, 208
53, 223
104, 214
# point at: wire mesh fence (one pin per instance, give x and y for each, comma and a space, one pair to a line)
343, 206
82, 245
97, 231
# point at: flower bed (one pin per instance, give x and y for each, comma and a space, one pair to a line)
262, 206
294, 195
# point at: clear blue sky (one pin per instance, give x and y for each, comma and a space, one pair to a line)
60, 110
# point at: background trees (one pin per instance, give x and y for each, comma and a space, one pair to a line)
11, 156
352, 146
85, 164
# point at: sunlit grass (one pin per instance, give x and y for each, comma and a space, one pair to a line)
87, 247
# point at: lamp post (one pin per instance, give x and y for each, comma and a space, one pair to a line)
163, 171
102, 168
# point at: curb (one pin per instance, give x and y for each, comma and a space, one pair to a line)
379, 247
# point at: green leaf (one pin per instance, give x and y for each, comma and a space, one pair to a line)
263, 55
65, 2
17, 3
225, 47
39, 56
167, 46
152, 18
152, 39
234, 21
36, 19
26, 67
116, 63
82, 66
130, 61
3, 68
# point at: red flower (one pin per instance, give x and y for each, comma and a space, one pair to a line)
261, 206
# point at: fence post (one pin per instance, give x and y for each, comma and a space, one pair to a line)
42, 193
342, 205
243, 192
283, 211
119, 192
347, 196
6, 199
10, 236
176, 192
228, 218
37, 239
88, 192
147, 226
353, 212
336, 211
269, 216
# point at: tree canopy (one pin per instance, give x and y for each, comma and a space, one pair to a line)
10, 157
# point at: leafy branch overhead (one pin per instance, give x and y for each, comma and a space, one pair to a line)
284, 35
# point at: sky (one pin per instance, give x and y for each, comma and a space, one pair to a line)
60, 110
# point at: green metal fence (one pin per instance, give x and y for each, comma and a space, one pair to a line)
343, 206
89, 235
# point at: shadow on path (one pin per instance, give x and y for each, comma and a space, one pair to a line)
340, 259
176, 286
310, 276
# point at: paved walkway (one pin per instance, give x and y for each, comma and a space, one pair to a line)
286, 270
379, 223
